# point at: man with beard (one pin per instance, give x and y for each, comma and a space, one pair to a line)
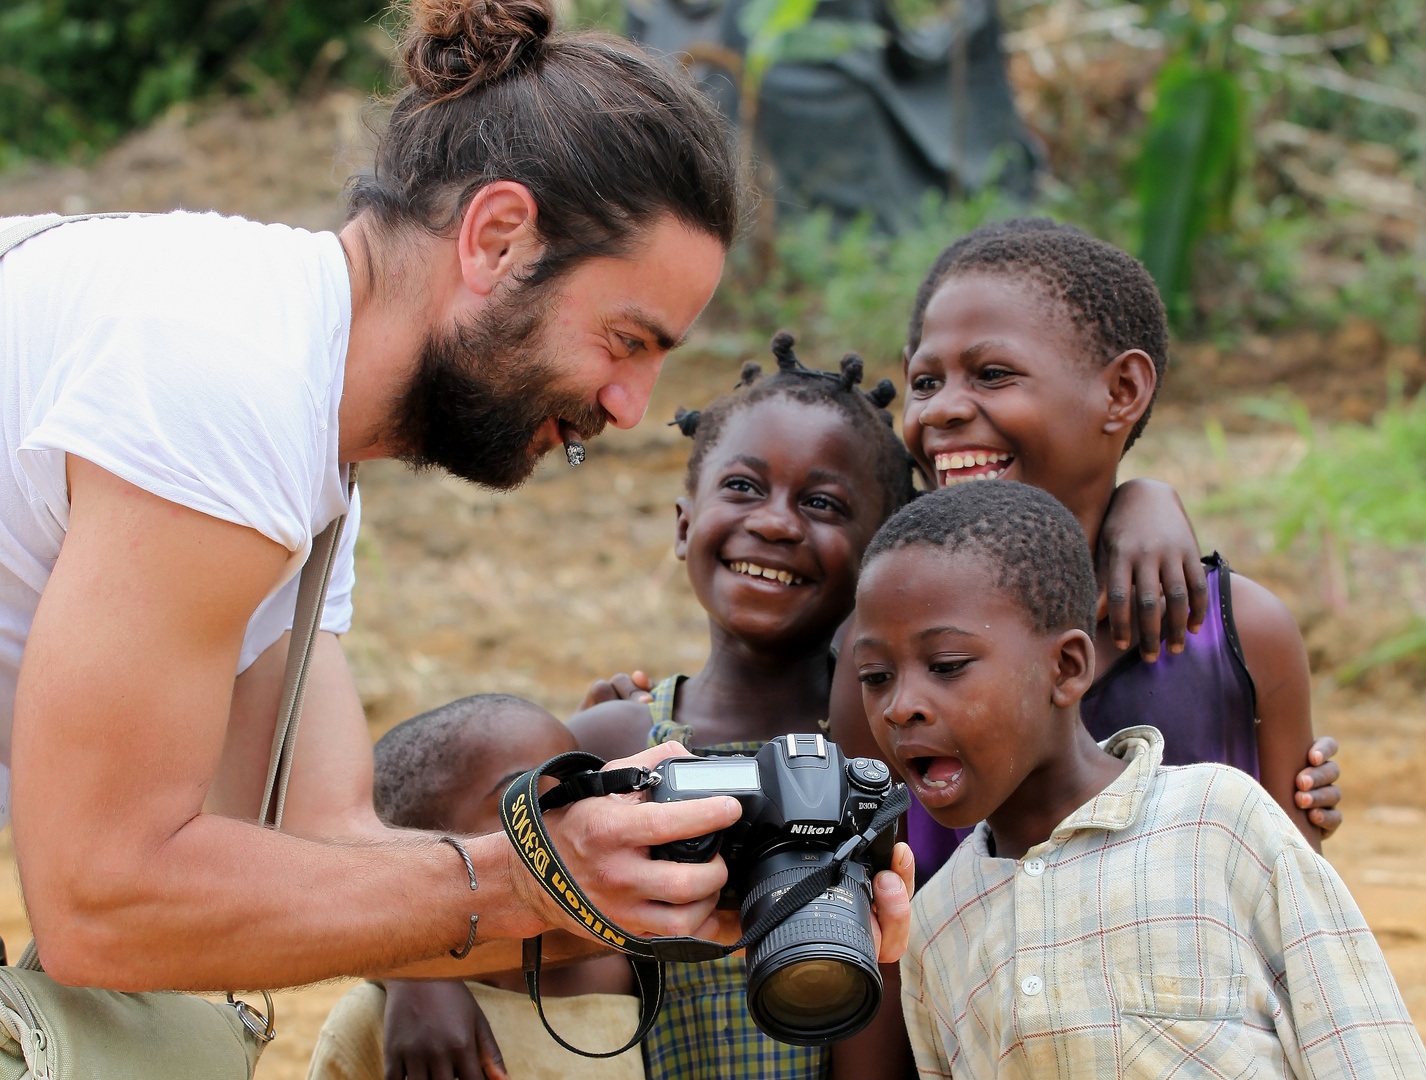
181, 399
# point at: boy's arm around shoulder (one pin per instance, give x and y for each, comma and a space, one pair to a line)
1341, 1014
612, 729
1277, 661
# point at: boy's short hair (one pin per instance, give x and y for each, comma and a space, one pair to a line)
422, 761
1036, 546
1109, 295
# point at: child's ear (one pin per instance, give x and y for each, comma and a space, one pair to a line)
905, 361
1130, 379
683, 514
1074, 669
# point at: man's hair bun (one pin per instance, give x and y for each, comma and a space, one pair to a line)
451, 46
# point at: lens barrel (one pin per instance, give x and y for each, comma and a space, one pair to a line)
814, 978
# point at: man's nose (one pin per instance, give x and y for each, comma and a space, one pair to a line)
626, 396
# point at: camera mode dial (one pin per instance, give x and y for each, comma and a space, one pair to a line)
869, 775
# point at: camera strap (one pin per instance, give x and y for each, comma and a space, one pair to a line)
522, 810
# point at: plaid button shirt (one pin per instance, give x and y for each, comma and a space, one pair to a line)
1177, 924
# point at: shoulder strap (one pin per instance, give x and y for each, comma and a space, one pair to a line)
15, 235
307, 620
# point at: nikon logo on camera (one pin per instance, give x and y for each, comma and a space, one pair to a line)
811, 830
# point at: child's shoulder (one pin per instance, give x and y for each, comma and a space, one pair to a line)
1209, 797
613, 729
1259, 616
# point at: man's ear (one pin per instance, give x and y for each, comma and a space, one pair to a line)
683, 511
1130, 379
1074, 669
497, 235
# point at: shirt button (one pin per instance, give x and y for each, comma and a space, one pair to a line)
1031, 985
1034, 867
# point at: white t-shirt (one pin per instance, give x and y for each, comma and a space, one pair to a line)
195, 356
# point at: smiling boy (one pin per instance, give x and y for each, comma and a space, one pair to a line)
1111, 916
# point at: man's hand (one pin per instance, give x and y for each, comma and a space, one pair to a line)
436, 1029
892, 905
605, 844
1317, 790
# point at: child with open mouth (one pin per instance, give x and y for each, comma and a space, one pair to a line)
1109, 916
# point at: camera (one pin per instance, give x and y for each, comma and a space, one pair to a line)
813, 979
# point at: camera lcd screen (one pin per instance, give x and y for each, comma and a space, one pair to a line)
715, 775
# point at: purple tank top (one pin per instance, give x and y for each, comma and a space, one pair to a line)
1202, 700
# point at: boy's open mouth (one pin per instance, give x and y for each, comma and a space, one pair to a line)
936, 780
958, 468
766, 573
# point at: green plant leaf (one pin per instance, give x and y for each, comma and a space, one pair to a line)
1187, 169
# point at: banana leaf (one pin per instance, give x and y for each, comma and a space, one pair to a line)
1187, 170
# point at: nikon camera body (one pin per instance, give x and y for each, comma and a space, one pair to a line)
814, 978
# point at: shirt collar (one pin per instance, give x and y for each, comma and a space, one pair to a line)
1118, 805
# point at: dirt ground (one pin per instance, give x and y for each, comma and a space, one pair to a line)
538, 591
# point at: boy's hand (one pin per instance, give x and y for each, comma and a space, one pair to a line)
1317, 790
435, 1029
1147, 547
619, 687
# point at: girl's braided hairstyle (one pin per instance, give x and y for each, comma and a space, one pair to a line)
864, 411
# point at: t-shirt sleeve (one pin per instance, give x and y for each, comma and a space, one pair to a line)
274, 615
224, 423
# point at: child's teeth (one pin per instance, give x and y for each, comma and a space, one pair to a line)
955, 461
754, 570
935, 783
980, 458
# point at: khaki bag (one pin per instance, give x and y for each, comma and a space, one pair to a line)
54, 1032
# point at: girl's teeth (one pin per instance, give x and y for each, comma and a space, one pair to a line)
754, 570
935, 783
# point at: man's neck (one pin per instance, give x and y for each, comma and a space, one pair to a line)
1076, 772
745, 694
391, 313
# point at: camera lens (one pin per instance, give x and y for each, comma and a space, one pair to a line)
814, 978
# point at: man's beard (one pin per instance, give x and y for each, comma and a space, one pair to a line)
483, 389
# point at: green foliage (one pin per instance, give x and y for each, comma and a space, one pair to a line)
75, 74
1187, 171
849, 288
784, 30
1356, 484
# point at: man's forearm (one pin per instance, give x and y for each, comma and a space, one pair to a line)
225, 904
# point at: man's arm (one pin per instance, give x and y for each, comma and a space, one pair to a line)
120, 723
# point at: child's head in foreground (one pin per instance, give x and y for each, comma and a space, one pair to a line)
789, 477
973, 647
445, 769
1034, 353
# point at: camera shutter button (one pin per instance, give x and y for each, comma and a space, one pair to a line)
869, 775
